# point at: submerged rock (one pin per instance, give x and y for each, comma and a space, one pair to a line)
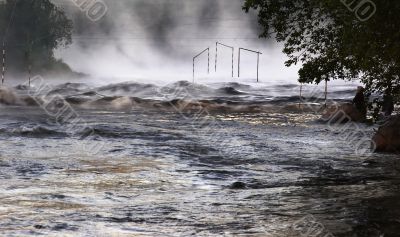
387, 138
238, 185
230, 91
343, 113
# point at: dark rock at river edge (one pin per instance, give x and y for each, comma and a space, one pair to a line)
343, 113
387, 138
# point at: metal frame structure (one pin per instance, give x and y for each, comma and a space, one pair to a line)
216, 54
198, 55
258, 61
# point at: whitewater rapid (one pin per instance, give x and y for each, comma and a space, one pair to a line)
140, 159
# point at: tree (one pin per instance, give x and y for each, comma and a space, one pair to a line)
346, 39
33, 30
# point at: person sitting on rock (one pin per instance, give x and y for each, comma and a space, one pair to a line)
388, 104
359, 101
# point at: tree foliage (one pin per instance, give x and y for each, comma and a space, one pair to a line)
32, 30
332, 42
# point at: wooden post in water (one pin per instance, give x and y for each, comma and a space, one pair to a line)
258, 61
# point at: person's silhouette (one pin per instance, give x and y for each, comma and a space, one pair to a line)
359, 101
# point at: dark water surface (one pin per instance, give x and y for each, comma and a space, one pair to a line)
163, 173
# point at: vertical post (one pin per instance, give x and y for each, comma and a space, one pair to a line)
30, 74
301, 94
239, 64
29, 62
233, 52
326, 92
216, 56
258, 64
208, 60
3, 71
193, 70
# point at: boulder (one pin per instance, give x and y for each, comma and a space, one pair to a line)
238, 185
343, 113
7, 96
387, 138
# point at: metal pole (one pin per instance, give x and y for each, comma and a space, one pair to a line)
233, 52
208, 70
258, 64
30, 74
239, 64
301, 91
194, 58
326, 92
216, 55
29, 61
301, 94
193, 70
3, 71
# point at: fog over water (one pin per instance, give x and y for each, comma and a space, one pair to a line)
137, 149
158, 39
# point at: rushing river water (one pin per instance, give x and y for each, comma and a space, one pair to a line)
139, 171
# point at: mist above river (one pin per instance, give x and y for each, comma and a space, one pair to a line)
158, 39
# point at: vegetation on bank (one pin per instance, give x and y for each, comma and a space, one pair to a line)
337, 39
32, 30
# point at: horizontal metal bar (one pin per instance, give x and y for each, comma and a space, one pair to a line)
200, 53
250, 50
225, 45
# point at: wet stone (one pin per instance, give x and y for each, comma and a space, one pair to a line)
238, 185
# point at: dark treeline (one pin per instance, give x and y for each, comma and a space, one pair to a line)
346, 39
31, 31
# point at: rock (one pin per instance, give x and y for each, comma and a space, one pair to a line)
122, 103
30, 101
238, 185
230, 91
343, 113
387, 138
7, 96
39, 227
